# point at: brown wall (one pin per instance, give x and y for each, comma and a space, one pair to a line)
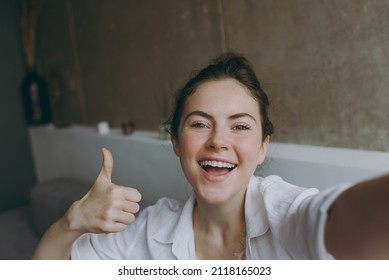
324, 63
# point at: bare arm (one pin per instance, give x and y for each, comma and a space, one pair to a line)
57, 241
358, 224
105, 208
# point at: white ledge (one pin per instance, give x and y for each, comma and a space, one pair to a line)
342, 157
144, 161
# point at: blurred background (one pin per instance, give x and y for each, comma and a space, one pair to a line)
323, 63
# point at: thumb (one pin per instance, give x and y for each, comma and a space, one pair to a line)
107, 165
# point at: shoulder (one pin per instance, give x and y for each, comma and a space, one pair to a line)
166, 204
275, 185
163, 216
296, 216
274, 181
279, 195
163, 210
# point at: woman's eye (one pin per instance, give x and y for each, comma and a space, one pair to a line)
241, 127
198, 125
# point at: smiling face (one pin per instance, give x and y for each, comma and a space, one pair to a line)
219, 140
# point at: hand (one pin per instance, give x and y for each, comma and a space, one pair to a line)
106, 207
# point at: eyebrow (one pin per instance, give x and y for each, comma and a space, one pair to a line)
208, 116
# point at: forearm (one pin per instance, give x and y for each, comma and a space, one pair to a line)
358, 224
56, 243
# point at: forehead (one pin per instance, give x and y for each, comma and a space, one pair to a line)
227, 96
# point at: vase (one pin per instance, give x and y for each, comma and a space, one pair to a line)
164, 131
35, 96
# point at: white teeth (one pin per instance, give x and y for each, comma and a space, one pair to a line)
214, 163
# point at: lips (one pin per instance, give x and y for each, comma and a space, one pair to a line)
216, 167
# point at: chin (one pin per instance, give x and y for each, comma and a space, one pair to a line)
216, 194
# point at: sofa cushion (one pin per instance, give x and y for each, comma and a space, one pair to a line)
50, 200
17, 237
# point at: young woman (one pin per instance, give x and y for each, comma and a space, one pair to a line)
220, 131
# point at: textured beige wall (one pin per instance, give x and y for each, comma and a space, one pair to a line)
119, 59
323, 63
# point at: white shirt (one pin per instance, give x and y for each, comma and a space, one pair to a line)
283, 222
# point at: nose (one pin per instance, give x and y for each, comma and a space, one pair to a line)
218, 140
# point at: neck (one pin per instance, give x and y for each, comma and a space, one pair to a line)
220, 230
209, 218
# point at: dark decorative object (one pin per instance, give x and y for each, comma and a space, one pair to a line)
128, 128
35, 96
36, 101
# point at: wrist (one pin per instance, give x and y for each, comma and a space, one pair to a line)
72, 219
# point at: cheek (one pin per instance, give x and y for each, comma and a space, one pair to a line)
187, 146
251, 150
188, 151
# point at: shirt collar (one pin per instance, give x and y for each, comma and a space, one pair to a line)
179, 232
255, 212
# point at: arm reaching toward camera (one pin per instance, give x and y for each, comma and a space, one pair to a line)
106, 208
358, 224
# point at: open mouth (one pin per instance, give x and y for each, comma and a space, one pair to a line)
217, 167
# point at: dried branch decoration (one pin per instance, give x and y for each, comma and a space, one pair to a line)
28, 19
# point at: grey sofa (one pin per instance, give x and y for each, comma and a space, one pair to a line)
21, 228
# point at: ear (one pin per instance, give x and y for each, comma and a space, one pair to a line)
262, 152
176, 145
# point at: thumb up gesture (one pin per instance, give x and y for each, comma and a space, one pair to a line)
107, 207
